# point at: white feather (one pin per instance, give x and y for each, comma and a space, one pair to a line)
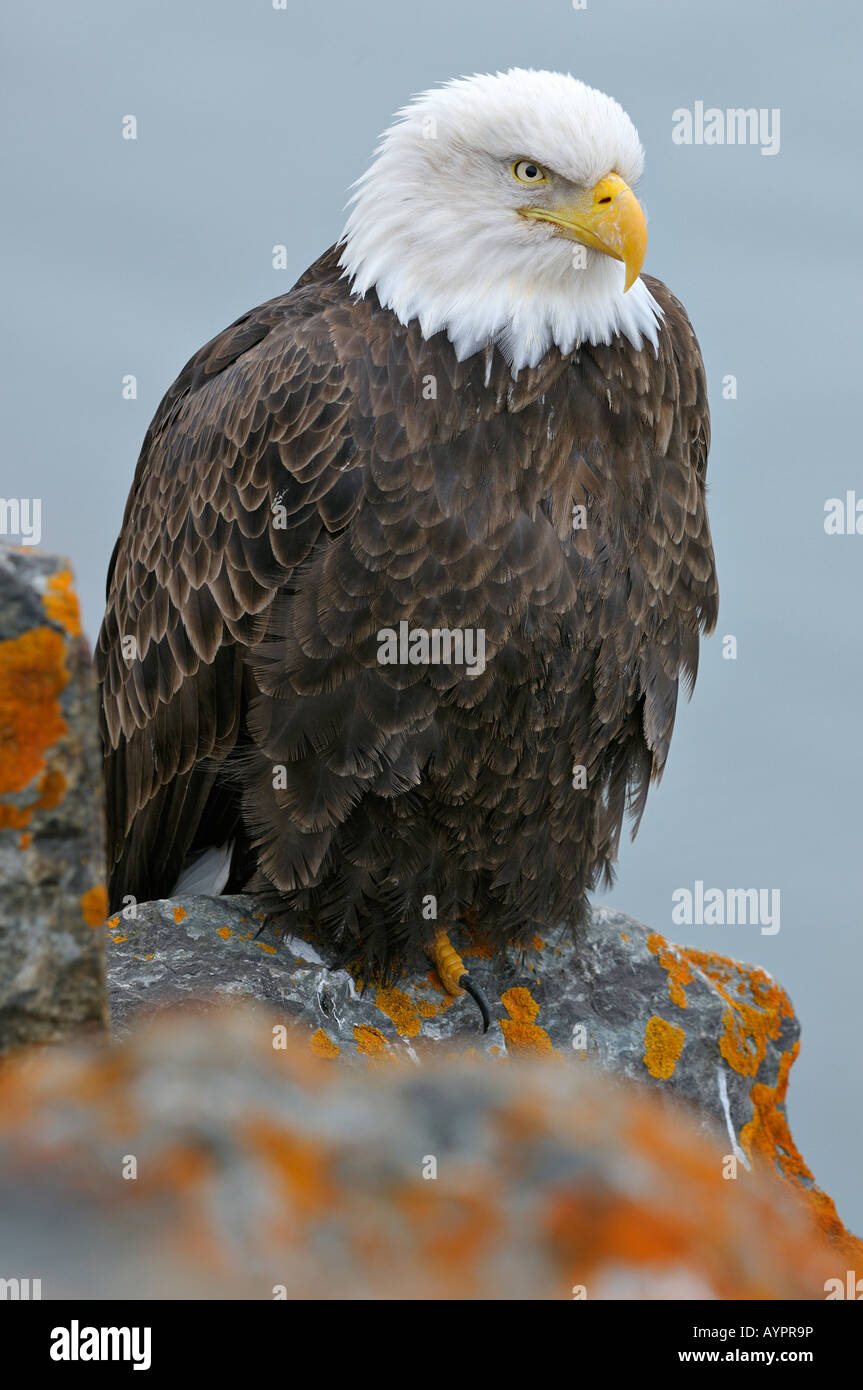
206, 874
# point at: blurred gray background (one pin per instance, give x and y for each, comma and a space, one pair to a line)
124, 257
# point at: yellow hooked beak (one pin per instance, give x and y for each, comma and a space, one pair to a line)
608, 218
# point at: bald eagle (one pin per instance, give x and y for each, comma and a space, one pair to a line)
417, 554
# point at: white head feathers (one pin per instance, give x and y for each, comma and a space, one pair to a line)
434, 225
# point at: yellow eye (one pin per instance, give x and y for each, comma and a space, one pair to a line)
527, 172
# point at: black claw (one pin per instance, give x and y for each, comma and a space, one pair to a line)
477, 995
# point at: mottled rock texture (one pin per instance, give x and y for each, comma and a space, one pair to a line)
209, 1156
716, 1034
52, 898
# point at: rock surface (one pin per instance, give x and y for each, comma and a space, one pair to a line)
620, 995
716, 1034
197, 1160
53, 901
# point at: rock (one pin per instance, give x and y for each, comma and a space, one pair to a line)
195, 1159
619, 995
52, 974
718, 1035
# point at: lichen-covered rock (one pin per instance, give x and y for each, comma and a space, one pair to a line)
716, 1034
209, 1156
52, 898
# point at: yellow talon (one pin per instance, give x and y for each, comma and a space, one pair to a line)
447, 962
453, 975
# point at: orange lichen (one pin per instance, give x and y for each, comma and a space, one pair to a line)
224, 933
618, 1230
433, 979
663, 1044
520, 1004
265, 946
94, 905
113, 923
425, 1009
648, 1133
61, 602
537, 944
519, 1030
400, 1009
322, 1046
179, 914
679, 973
767, 1137
452, 1231
594, 1235
183, 1167
478, 950
117, 940
371, 1042
32, 676
52, 789
300, 1164
767, 1133
747, 1026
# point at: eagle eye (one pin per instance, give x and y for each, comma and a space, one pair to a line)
527, 172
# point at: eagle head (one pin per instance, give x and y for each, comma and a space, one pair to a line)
499, 209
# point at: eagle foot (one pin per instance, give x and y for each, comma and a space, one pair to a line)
454, 977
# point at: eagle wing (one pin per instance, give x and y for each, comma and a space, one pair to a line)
675, 556
257, 418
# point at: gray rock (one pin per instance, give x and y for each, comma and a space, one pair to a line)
196, 1160
52, 903
700, 1027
